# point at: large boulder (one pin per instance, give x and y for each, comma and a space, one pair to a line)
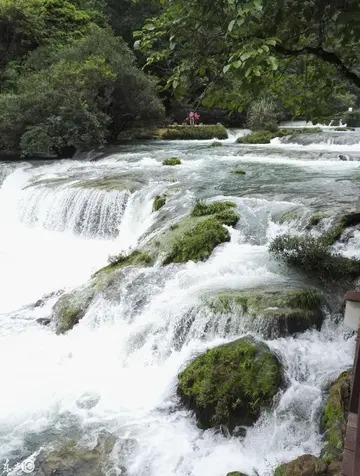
230, 384
306, 465
273, 313
334, 417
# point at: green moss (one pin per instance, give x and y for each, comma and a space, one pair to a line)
198, 243
238, 172
308, 465
288, 216
230, 384
204, 231
236, 473
313, 256
281, 312
71, 307
315, 220
136, 258
201, 208
257, 137
338, 228
159, 202
333, 421
216, 143
172, 161
194, 132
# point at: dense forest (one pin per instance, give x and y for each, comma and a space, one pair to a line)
75, 73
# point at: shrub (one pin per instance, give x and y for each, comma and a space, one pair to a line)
172, 161
262, 115
352, 119
312, 255
202, 209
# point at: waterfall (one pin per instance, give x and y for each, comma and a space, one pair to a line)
116, 371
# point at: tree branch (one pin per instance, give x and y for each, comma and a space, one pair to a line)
327, 56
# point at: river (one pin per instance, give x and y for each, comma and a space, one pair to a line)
61, 220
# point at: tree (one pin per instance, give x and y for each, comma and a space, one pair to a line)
255, 43
76, 97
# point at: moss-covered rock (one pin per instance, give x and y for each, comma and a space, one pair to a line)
73, 458
216, 143
205, 132
71, 307
306, 465
231, 384
238, 172
159, 202
236, 473
340, 224
334, 417
172, 161
273, 313
198, 235
314, 220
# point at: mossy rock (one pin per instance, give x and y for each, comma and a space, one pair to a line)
314, 220
136, 258
72, 458
122, 182
172, 161
272, 313
71, 307
306, 465
334, 417
230, 384
238, 172
257, 137
216, 143
204, 132
340, 224
236, 473
159, 202
198, 235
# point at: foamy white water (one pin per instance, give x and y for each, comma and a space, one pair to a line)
126, 352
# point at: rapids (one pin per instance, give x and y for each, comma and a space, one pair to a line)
61, 220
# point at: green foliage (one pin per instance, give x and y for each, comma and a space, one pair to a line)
193, 132
262, 115
334, 417
352, 119
77, 87
159, 202
238, 172
312, 255
231, 53
172, 161
230, 384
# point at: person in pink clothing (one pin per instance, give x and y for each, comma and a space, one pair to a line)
191, 118
196, 117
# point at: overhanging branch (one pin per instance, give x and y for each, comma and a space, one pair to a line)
327, 56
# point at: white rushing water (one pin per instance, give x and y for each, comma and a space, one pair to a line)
61, 221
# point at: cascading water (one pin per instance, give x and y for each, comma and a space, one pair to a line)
116, 370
